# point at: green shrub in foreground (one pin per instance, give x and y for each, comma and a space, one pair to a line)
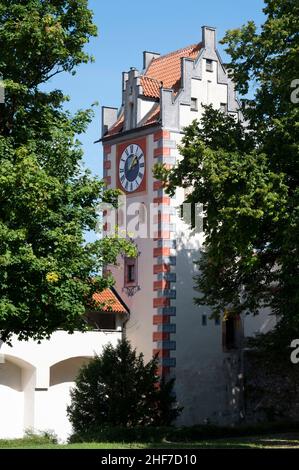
117, 389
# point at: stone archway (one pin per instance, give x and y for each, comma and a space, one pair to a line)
66, 370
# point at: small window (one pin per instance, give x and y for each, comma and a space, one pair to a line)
204, 320
223, 108
130, 272
209, 65
194, 106
217, 321
192, 214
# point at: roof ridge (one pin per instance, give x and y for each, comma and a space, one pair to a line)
175, 52
119, 298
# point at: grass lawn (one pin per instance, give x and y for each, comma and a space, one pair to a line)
263, 442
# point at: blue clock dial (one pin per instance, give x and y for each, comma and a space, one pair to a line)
131, 167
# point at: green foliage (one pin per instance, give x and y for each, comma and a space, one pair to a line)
42, 437
247, 180
119, 389
31, 440
47, 199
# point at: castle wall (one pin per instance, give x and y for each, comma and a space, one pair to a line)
35, 380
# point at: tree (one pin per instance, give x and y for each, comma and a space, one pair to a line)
248, 179
48, 200
119, 389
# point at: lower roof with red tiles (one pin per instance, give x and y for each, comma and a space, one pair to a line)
109, 301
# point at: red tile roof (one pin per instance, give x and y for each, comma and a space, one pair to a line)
167, 68
109, 302
164, 71
151, 87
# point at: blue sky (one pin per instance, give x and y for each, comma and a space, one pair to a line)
126, 29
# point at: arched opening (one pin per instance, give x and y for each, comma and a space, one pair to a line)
62, 377
11, 376
67, 370
17, 379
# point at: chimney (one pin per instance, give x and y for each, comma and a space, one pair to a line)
125, 77
109, 117
148, 57
209, 37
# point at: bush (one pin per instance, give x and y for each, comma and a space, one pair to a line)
117, 389
44, 437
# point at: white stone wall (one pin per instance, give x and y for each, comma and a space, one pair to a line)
35, 380
145, 106
207, 91
203, 374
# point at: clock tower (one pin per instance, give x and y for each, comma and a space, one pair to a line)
157, 104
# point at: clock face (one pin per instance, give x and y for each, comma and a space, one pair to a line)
131, 167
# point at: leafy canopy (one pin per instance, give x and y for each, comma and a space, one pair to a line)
47, 199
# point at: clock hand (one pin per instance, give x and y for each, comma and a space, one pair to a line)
130, 166
133, 162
